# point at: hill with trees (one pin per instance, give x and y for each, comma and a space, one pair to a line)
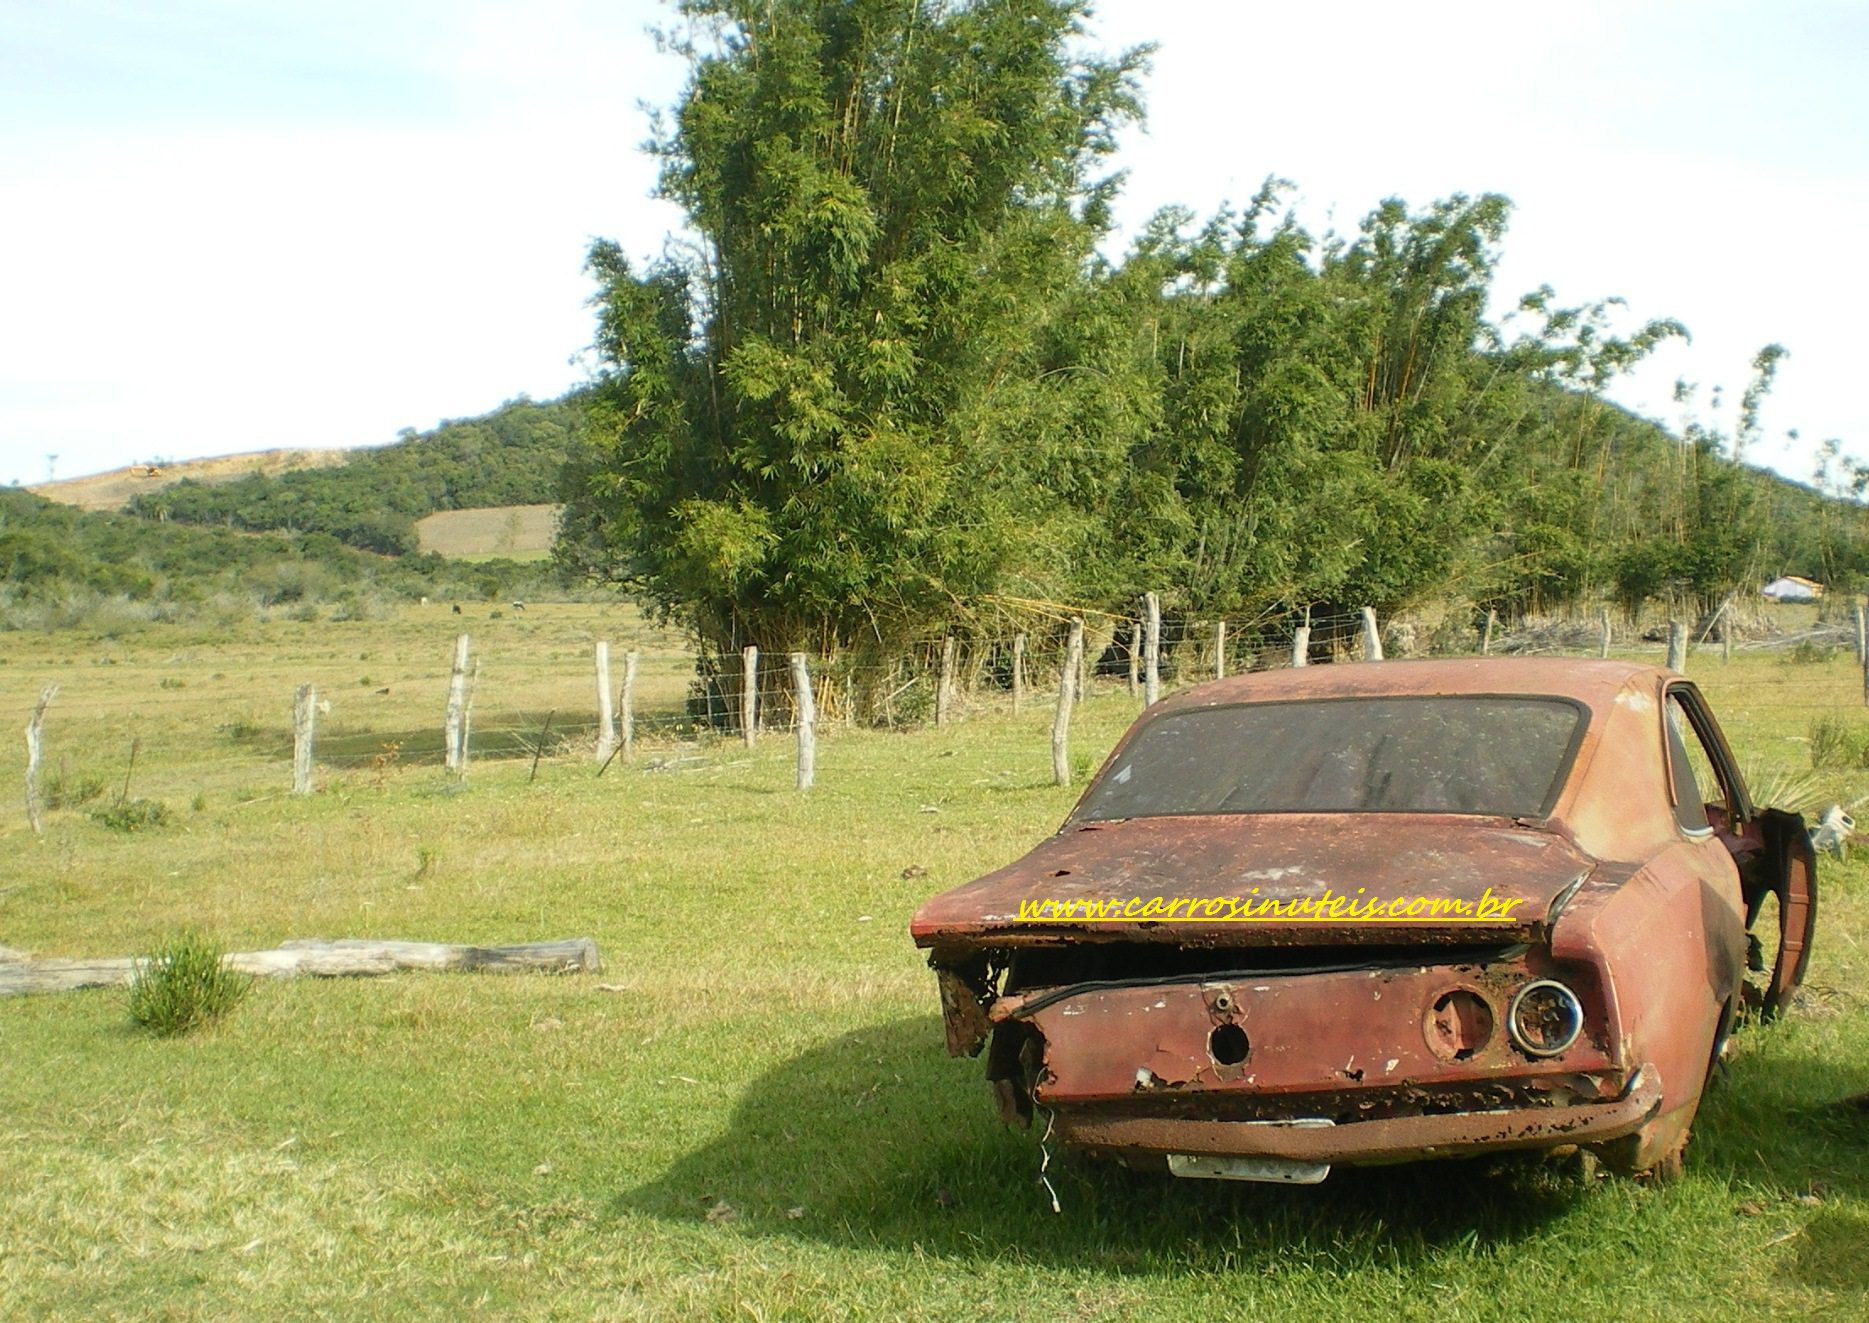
511, 456
61, 565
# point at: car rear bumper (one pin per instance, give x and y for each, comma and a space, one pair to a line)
1384, 1140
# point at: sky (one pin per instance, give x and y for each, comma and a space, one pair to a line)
233, 225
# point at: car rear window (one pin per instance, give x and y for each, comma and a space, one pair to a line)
1502, 756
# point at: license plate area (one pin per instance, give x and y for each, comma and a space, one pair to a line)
1274, 1171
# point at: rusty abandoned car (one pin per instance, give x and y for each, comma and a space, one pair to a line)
1373, 913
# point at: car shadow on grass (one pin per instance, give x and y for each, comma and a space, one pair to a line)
877, 1138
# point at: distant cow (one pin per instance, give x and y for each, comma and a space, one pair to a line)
520, 607
457, 608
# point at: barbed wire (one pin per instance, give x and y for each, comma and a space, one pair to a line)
855, 688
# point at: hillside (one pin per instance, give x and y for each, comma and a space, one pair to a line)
372, 500
60, 565
118, 487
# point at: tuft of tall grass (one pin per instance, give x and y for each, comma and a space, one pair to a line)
1807, 653
1774, 785
132, 815
183, 986
1834, 743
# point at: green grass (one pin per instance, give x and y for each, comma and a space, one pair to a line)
763, 1047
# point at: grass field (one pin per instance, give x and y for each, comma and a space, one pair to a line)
749, 1115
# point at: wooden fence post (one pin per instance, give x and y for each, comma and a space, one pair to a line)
1726, 631
1486, 639
606, 715
749, 694
1862, 647
1677, 646
454, 732
944, 686
1603, 621
1301, 646
1152, 658
35, 754
304, 705
627, 713
467, 715
1135, 657
1372, 637
1061, 722
807, 721
1220, 650
1018, 673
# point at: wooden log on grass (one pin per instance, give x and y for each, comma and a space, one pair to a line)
347, 957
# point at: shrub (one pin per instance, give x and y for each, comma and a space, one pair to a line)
183, 986
64, 789
1833, 743
132, 814
1807, 653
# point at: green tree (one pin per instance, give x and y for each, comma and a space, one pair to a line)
849, 410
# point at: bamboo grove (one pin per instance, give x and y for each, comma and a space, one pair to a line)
893, 380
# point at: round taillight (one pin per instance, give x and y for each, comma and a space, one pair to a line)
1545, 1018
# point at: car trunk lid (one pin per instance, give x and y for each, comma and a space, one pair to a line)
1267, 868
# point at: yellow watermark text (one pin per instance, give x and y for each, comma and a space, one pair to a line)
1329, 907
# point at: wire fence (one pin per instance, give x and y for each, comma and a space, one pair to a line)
564, 703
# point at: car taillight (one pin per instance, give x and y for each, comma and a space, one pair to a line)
1459, 1025
1544, 1018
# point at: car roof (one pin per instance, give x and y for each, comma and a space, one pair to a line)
1589, 681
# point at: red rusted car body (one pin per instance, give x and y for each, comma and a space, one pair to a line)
1595, 803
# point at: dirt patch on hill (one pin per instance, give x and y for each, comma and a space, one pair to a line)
520, 531
112, 490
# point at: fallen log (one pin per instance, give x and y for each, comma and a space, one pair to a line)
347, 957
